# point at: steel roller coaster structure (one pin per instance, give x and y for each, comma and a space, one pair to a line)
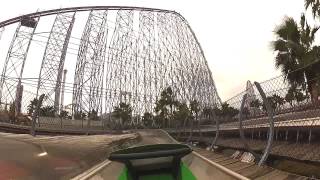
125, 54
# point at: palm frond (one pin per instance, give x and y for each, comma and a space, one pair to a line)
313, 32
288, 30
307, 3
302, 20
279, 45
314, 4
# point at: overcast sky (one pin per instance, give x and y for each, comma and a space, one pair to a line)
235, 35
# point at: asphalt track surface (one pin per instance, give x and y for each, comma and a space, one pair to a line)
201, 168
52, 157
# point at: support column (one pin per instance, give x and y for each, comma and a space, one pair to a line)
252, 134
88, 82
51, 70
62, 90
10, 83
310, 135
1, 32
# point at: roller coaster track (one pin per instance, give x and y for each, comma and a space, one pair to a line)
83, 8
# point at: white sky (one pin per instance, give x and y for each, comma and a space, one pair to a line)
235, 35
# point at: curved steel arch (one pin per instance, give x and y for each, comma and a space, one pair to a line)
82, 8
90, 8
52, 65
170, 55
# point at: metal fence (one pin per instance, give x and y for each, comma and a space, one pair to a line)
246, 123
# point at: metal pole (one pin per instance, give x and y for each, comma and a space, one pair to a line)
62, 90
310, 134
252, 134
271, 124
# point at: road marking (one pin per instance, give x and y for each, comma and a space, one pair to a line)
92, 171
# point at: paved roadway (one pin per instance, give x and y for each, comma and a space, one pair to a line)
214, 167
52, 157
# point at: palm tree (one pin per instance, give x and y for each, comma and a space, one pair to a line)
162, 113
207, 111
93, 115
31, 107
181, 116
194, 108
48, 111
166, 101
278, 100
297, 57
80, 115
315, 7
12, 113
64, 114
227, 111
123, 112
255, 104
147, 119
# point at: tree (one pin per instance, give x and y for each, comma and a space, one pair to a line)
48, 111
93, 115
12, 112
290, 96
207, 112
300, 96
297, 57
246, 112
255, 104
227, 111
278, 100
165, 105
294, 94
194, 109
181, 116
80, 115
32, 106
218, 111
147, 119
162, 113
123, 112
314, 5
64, 114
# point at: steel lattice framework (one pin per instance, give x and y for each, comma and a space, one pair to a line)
87, 93
10, 84
53, 59
1, 31
125, 54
